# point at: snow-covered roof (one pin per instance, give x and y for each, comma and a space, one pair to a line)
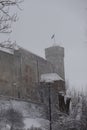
10, 51
8, 47
50, 77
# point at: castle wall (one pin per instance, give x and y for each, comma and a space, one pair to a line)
6, 73
20, 78
37, 65
20, 73
31, 68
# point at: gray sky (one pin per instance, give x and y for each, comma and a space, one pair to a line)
67, 19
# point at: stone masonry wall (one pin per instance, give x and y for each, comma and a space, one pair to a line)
31, 68
20, 73
6, 73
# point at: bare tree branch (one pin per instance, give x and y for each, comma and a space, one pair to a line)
6, 18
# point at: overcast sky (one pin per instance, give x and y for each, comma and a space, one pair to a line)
67, 19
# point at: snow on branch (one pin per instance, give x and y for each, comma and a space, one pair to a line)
6, 18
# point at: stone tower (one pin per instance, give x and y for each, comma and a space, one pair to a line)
55, 55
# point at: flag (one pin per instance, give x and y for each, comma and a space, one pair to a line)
53, 36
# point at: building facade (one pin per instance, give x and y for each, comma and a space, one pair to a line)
20, 70
20, 77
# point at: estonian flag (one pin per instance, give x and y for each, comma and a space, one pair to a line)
53, 36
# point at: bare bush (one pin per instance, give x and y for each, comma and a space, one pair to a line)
14, 119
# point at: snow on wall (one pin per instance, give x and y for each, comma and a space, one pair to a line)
50, 77
10, 51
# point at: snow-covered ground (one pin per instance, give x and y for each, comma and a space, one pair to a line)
33, 114
28, 109
37, 122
